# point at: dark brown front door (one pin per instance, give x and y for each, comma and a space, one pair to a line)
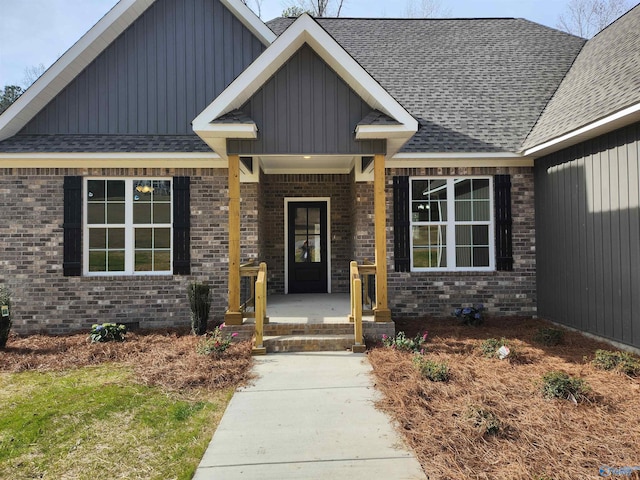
307, 247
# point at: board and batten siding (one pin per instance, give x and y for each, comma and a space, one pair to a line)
588, 236
157, 76
306, 108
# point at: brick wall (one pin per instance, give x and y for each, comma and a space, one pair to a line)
503, 293
273, 190
31, 210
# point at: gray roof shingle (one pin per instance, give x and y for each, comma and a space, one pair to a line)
604, 79
102, 143
473, 84
376, 117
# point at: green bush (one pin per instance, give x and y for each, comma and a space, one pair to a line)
490, 346
107, 332
557, 384
484, 420
200, 304
401, 342
5, 316
215, 342
549, 336
622, 362
434, 371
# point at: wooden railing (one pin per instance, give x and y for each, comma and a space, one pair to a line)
260, 309
248, 276
368, 273
356, 307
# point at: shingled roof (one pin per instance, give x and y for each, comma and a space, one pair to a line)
102, 143
604, 79
475, 85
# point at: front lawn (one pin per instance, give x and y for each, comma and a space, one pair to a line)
145, 408
490, 420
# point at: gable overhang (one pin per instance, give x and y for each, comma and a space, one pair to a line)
607, 124
87, 49
305, 30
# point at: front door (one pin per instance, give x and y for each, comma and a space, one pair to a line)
307, 247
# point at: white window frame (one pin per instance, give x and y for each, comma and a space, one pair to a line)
129, 228
451, 225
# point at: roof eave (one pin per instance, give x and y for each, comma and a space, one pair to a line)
617, 120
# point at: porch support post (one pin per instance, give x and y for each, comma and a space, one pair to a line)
381, 311
233, 316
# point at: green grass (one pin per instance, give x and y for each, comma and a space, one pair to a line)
96, 422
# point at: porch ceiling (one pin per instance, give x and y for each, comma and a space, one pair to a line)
273, 164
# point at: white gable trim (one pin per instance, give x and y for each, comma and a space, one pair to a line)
607, 124
69, 65
92, 44
306, 30
250, 20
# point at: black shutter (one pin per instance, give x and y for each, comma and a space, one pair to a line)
181, 226
401, 246
502, 196
72, 227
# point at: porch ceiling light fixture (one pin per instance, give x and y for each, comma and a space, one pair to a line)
307, 157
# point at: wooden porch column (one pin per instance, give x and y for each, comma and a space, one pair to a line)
233, 316
381, 311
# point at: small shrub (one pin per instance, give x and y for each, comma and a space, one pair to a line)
200, 304
557, 384
107, 332
401, 342
622, 362
484, 420
5, 316
215, 342
549, 337
434, 371
470, 315
490, 346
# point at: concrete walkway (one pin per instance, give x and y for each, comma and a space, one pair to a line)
307, 416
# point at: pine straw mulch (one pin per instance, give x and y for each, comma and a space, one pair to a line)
167, 359
537, 438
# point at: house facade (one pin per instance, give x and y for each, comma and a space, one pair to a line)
178, 140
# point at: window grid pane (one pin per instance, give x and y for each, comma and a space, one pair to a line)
139, 210
470, 223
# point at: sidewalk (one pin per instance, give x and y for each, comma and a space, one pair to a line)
307, 416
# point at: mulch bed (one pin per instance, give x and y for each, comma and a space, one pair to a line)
160, 358
537, 438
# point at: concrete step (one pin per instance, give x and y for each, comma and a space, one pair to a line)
279, 329
308, 343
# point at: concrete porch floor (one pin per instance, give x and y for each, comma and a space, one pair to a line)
310, 308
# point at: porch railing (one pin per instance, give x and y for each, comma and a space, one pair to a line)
368, 274
260, 309
356, 306
248, 276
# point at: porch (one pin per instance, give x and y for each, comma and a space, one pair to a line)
312, 322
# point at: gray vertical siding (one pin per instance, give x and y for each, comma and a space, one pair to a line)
588, 236
306, 108
157, 76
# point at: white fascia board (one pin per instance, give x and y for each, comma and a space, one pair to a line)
607, 124
303, 30
459, 161
73, 61
250, 20
231, 130
365, 132
454, 155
